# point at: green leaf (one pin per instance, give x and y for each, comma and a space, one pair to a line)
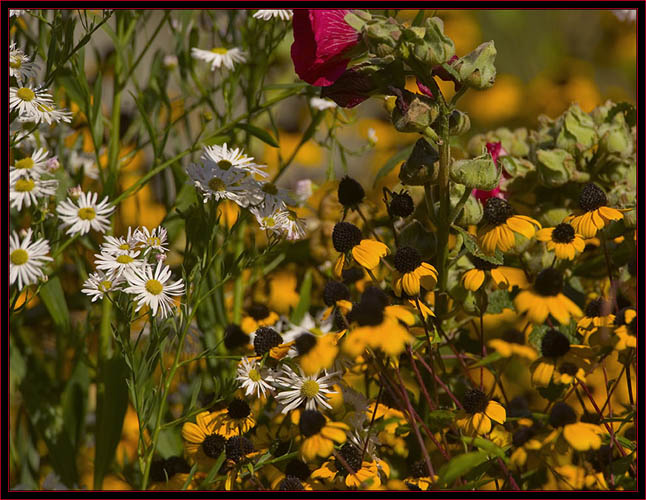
629, 111
261, 134
395, 160
419, 18
460, 465
552, 392
487, 360
486, 445
214, 470
53, 297
536, 336
70, 82
499, 300
472, 247
304, 302
110, 411
74, 403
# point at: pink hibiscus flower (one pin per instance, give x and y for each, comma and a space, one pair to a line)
322, 39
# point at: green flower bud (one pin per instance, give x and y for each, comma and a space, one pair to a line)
382, 36
577, 130
459, 122
420, 167
555, 167
616, 139
427, 46
477, 69
516, 167
413, 112
554, 216
477, 173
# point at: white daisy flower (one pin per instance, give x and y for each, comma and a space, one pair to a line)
227, 158
86, 162
121, 244
26, 259
292, 226
268, 218
35, 105
322, 104
20, 65
119, 263
157, 239
275, 197
254, 378
220, 56
27, 191
100, 283
84, 214
221, 184
266, 15
30, 166
152, 289
297, 389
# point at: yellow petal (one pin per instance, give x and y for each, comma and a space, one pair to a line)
495, 411
544, 234
473, 279
410, 283
338, 266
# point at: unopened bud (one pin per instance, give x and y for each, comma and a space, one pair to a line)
477, 68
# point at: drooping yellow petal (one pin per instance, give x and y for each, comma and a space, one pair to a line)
583, 436
542, 374
495, 411
480, 423
545, 234
473, 279
338, 266
410, 283
192, 433
499, 278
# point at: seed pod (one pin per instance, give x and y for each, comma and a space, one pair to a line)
420, 166
477, 173
459, 123
477, 68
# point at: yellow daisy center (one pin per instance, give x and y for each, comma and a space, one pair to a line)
124, 246
25, 185
86, 213
216, 184
19, 257
16, 62
269, 221
219, 50
105, 285
225, 164
25, 94
154, 287
25, 163
154, 241
254, 375
124, 259
310, 388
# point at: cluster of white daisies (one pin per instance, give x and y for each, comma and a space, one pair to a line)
134, 264
226, 173
221, 56
33, 103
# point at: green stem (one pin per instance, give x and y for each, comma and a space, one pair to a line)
238, 289
455, 213
445, 208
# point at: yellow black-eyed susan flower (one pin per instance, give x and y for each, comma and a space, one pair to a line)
346, 237
565, 242
170, 474
319, 434
582, 436
234, 337
296, 477
503, 276
561, 361
336, 294
513, 343
596, 212
479, 412
501, 225
626, 329
380, 325
391, 420
363, 473
316, 352
545, 298
233, 420
258, 315
419, 478
268, 340
526, 446
202, 442
597, 314
412, 273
